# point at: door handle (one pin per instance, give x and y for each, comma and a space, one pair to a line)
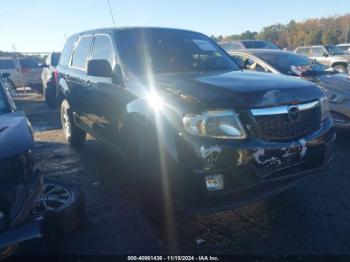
68, 77
88, 83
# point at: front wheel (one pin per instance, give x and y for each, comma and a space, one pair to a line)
74, 135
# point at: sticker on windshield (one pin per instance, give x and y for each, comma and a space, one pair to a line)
204, 45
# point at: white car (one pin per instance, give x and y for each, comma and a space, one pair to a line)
24, 72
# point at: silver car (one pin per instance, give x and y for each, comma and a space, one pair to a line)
335, 84
328, 55
24, 72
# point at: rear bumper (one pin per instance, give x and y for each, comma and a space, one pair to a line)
252, 170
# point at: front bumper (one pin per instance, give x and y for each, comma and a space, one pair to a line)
252, 169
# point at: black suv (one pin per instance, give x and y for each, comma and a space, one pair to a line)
204, 134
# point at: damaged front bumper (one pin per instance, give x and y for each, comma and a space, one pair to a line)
252, 170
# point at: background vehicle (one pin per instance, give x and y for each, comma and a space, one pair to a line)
345, 47
328, 55
201, 132
25, 73
29, 208
49, 78
247, 44
336, 84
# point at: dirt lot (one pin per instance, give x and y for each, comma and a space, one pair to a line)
311, 218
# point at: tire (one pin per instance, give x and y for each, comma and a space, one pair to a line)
74, 135
340, 68
50, 96
62, 205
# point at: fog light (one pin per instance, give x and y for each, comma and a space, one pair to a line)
214, 182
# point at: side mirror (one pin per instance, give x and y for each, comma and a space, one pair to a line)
99, 68
325, 55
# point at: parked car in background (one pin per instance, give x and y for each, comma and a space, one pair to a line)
49, 78
337, 85
203, 134
328, 55
24, 72
247, 44
29, 207
345, 47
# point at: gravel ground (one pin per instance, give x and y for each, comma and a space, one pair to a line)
311, 218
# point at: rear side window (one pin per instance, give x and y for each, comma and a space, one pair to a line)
67, 51
81, 53
29, 63
7, 64
103, 49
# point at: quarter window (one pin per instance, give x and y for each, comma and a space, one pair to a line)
103, 49
67, 51
81, 53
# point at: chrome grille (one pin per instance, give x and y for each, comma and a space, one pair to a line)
288, 122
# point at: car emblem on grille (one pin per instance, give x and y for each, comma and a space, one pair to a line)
293, 113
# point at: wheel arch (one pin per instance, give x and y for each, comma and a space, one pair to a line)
142, 112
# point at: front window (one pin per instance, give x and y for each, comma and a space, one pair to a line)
82, 52
334, 50
284, 62
170, 51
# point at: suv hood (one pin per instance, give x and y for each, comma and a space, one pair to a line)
238, 89
15, 134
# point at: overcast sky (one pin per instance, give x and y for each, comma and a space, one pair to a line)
43, 25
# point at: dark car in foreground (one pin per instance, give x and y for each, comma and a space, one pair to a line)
337, 85
29, 207
49, 78
203, 134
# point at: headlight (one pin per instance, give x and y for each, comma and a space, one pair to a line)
335, 98
324, 108
215, 124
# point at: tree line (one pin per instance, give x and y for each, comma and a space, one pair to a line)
319, 31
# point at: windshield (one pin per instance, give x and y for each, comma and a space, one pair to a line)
334, 50
170, 51
283, 62
3, 105
259, 45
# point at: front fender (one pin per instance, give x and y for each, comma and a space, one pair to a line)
161, 120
